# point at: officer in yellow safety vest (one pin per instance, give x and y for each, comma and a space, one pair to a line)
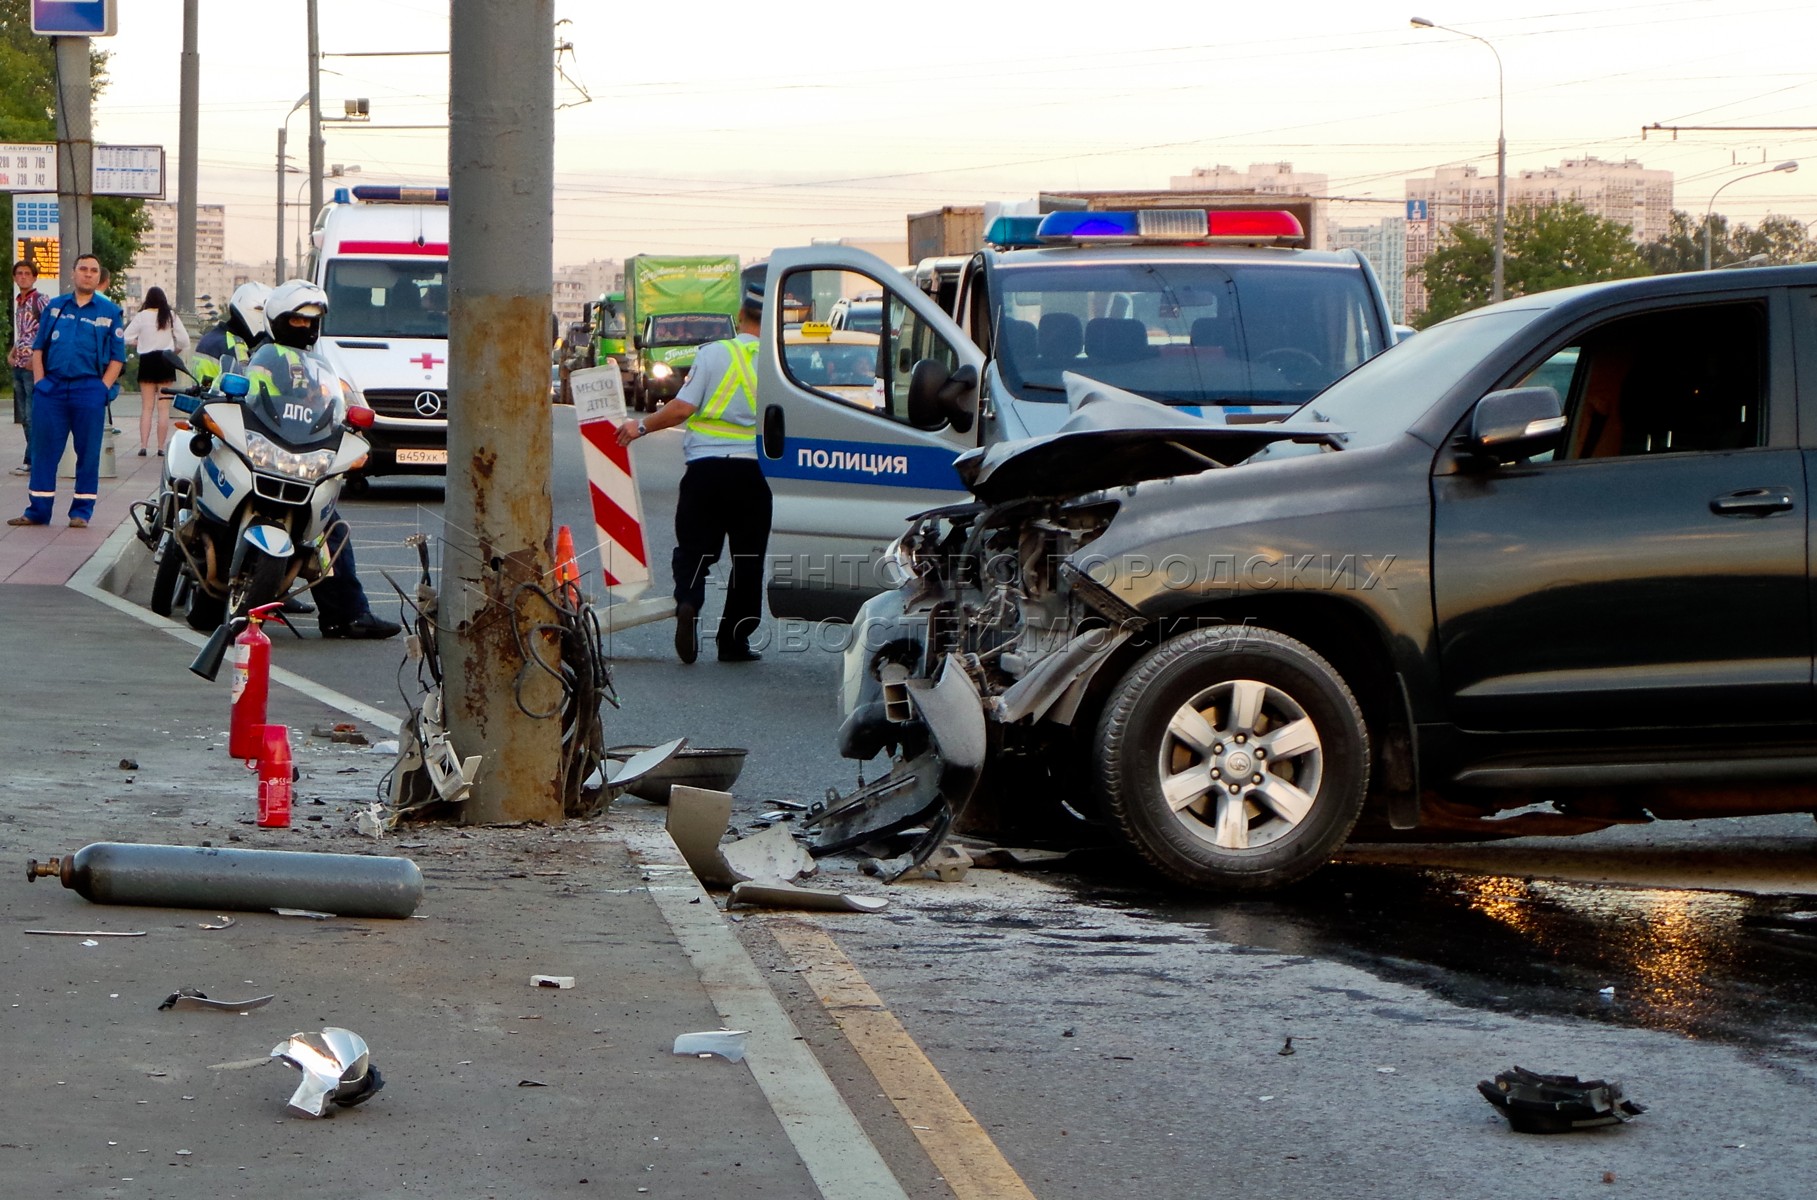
723, 499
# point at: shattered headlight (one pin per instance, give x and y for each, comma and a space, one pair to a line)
896, 566
266, 455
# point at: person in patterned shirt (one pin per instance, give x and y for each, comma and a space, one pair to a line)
27, 307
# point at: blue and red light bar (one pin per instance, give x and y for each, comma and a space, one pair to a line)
1189, 225
399, 194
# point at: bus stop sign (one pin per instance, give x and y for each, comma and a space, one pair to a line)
73, 18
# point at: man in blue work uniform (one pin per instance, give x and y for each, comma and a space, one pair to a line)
76, 359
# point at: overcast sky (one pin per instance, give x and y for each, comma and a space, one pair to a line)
719, 127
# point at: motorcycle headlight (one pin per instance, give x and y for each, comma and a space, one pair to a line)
266, 455
661, 371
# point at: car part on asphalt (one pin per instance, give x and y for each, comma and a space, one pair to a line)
727, 1043
189, 999
713, 768
1535, 1103
352, 885
337, 1068
771, 893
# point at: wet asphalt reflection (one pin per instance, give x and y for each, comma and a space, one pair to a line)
1709, 965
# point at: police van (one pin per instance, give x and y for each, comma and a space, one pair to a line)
381, 256
1222, 313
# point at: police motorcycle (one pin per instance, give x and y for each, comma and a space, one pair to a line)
221, 352
273, 448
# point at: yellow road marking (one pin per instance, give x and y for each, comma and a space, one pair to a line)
960, 1148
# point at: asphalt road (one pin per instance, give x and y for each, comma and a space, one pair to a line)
1104, 1031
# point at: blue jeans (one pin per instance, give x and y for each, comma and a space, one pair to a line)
22, 406
62, 410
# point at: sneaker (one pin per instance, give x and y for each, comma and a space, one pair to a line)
78, 522
365, 626
687, 632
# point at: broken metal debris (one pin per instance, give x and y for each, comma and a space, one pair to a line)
759, 869
344, 732
727, 1043
220, 922
353, 885
531, 1083
129, 764
715, 768
552, 981
191, 1000
772, 893
85, 933
308, 914
336, 1066
1535, 1103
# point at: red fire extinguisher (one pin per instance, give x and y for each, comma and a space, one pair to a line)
274, 777
251, 686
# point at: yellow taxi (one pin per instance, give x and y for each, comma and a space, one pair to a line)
841, 363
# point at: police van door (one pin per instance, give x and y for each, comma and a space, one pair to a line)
858, 426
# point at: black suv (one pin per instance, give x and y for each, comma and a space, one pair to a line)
1554, 552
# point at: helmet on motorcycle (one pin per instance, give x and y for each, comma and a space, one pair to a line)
294, 313
246, 310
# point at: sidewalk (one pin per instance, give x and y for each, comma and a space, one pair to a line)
53, 553
494, 1087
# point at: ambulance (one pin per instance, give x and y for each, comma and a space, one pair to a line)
381, 256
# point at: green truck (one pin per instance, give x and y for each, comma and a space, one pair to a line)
672, 307
606, 320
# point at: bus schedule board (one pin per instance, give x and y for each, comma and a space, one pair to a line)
118, 170
74, 18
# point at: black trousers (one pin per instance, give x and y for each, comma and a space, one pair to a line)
723, 501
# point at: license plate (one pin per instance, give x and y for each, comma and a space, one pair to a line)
438, 457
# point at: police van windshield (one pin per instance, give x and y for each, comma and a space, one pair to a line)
387, 298
1187, 333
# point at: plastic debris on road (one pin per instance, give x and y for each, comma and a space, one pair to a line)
1535, 1103
727, 1043
189, 999
552, 981
336, 1066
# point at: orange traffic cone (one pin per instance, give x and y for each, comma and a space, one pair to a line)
567, 571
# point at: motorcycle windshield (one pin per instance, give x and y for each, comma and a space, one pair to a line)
295, 397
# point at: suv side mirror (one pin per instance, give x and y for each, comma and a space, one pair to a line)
1516, 423
937, 396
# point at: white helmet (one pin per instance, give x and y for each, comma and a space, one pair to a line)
246, 309
296, 298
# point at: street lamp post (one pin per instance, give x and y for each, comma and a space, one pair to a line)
1786, 167
283, 167
1501, 152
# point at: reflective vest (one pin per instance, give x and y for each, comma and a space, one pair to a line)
208, 368
262, 383
736, 396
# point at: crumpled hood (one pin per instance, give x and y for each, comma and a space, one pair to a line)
1112, 438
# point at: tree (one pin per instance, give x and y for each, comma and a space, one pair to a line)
28, 113
1779, 240
1546, 247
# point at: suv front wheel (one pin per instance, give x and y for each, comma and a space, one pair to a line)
1233, 758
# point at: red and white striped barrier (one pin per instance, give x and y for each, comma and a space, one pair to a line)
618, 517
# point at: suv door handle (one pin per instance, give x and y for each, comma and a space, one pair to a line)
1753, 502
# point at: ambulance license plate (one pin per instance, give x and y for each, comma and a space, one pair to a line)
437, 457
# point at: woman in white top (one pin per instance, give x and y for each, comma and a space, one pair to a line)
155, 327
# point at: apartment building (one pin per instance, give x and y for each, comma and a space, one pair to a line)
1384, 244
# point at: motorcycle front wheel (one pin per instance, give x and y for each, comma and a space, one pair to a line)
261, 580
170, 569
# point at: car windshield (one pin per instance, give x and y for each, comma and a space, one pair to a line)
1381, 398
823, 363
1189, 333
864, 316
386, 298
689, 329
